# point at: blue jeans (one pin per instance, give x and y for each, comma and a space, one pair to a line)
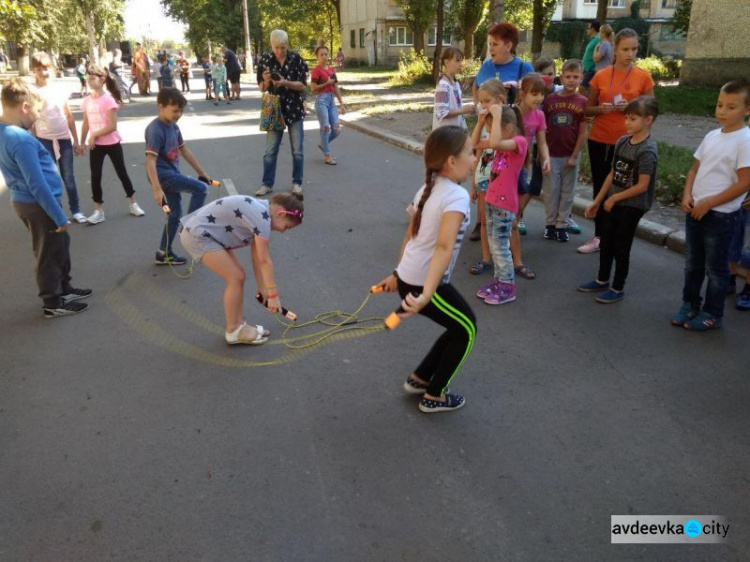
328, 117
173, 187
273, 141
707, 253
65, 163
499, 226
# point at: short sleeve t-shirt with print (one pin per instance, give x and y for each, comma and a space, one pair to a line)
484, 165
97, 112
533, 122
447, 99
446, 196
506, 167
231, 222
294, 69
164, 141
52, 123
511, 71
564, 117
608, 127
320, 75
721, 155
631, 161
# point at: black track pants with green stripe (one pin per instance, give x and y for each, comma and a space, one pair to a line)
449, 309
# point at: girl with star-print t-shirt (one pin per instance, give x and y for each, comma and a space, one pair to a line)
213, 232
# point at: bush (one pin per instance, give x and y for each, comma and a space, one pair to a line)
666, 68
413, 68
571, 35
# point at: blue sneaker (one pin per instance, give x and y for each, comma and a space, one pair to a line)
573, 228
610, 296
743, 301
703, 322
521, 227
452, 402
683, 315
593, 287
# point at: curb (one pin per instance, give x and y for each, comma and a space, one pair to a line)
650, 231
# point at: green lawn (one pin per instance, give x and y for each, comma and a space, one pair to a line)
687, 101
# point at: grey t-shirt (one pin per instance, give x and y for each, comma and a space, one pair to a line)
631, 161
232, 222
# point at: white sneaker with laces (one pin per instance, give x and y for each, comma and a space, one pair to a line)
80, 218
96, 217
136, 211
589, 247
264, 190
296, 188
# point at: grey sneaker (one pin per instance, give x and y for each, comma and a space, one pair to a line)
65, 309
264, 190
296, 188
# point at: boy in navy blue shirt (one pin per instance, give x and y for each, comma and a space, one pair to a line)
164, 145
36, 191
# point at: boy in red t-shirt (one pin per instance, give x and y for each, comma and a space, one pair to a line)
566, 133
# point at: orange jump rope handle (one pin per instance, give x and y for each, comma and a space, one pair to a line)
393, 321
205, 180
376, 289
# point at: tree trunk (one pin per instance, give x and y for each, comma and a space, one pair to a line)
22, 60
469, 44
536, 34
438, 41
93, 51
497, 11
419, 41
601, 11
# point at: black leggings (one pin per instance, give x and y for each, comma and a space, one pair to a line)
96, 162
618, 230
448, 353
600, 156
185, 81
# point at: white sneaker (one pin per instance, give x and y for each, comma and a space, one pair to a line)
264, 190
136, 210
80, 218
296, 188
589, 247
96, 217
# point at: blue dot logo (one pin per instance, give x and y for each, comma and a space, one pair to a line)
693, 528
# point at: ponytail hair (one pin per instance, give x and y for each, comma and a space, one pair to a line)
512, 116
109, 82
292, 203
441, 144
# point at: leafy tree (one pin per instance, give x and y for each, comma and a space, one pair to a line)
438, 40
601, 11
681, 19
636, 23
542, 16
418, 14
466, 16
22, 23
497, 11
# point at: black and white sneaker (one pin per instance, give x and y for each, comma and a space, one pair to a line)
76, 295
452, 402
65, 309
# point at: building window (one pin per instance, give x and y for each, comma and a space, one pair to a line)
612, 3
432, 33
668, 3
352, 39
362, 38
400, 36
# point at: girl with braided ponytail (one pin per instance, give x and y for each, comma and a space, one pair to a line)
428, 256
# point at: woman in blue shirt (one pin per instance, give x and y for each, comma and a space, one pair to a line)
502, 62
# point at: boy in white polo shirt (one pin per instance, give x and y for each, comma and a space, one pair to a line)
714, 189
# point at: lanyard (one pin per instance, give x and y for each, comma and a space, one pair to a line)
612, 77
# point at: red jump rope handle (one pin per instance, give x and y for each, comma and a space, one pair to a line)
288, 314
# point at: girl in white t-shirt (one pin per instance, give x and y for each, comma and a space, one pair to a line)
100, 126
56, 129
428, 256
449, 108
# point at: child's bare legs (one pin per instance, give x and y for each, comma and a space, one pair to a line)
523, 200
485, 244
515, 241
225, 264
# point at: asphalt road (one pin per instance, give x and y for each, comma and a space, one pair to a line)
132, 432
